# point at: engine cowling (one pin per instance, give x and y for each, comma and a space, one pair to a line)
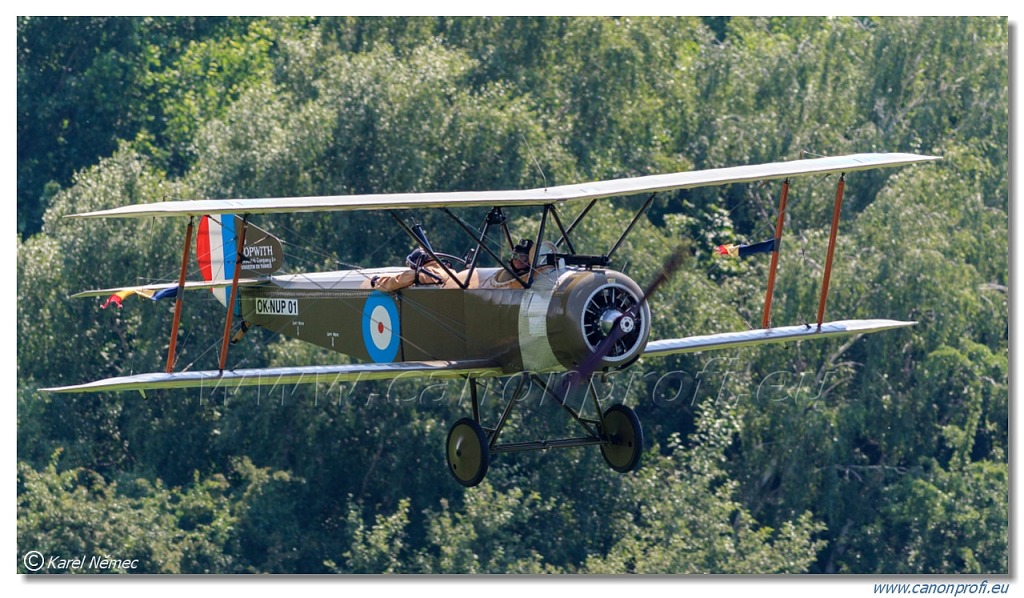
586, 306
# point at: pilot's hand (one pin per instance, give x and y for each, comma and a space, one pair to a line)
373, 282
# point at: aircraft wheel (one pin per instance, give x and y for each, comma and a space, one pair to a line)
622, 428
468, 452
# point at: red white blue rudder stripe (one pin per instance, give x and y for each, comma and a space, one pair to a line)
216, 251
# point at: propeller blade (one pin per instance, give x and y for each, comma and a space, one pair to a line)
669, 268
604, 348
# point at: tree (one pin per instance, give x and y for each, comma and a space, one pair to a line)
790, 458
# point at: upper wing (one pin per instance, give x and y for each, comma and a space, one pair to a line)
728, 340
273, 377
529, 197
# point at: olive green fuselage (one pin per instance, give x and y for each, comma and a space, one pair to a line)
544, 328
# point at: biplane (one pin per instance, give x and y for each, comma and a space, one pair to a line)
567, 312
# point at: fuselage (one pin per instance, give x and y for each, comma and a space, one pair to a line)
552, 326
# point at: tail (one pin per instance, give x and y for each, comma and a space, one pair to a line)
217, 251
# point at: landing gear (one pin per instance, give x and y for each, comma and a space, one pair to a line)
468, 452
617, 432
625, 438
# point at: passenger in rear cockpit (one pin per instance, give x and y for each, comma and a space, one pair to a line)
423, 271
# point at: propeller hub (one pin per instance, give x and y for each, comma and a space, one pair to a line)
608, 319
612, 317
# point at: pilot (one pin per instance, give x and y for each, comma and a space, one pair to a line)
423, 271
519, 263
522, 257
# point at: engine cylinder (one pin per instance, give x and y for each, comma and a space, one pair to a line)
586, 307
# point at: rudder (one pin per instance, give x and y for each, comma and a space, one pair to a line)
217, 251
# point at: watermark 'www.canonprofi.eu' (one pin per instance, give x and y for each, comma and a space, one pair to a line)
953, 589
37, 562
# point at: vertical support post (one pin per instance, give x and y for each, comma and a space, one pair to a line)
536, 245
180, 297
766, 319
476, 400
234, 294
831, 249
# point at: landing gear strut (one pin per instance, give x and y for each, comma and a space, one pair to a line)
470, 445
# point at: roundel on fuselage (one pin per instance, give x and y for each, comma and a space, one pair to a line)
381, 334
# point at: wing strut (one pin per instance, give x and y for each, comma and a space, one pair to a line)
565, 234
766, 320
234, 294
572, 225
831, 248
180, 297
480, 244
632, 223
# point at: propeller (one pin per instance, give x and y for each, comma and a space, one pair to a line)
589, 365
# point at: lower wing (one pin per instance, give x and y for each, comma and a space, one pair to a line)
332, 374
270, 377
728, 340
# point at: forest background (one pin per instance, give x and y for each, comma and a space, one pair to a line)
883, 454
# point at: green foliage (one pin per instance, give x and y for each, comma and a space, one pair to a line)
86, 82
686, 520
886, 454
77, 512
379, 549
510, 533
947, 521
203, 82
